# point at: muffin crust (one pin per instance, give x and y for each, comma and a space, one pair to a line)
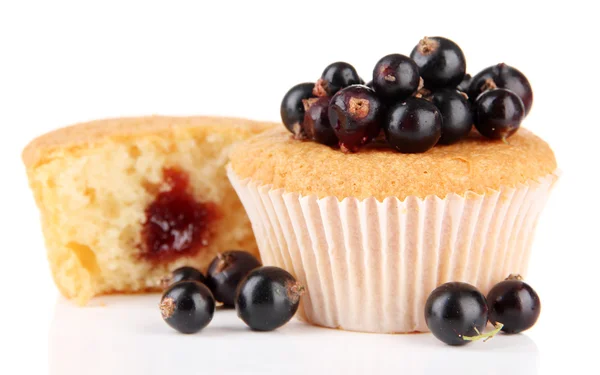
475, 164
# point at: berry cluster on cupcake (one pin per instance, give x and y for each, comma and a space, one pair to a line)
417, 102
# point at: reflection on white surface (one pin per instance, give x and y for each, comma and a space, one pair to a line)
127, 336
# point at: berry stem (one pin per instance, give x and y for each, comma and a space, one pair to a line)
485, 336
513, 276
427, 46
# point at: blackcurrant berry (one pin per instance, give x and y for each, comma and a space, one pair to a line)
515, 304
455, 310
225, 273
369, 84
187, 306
354, 114
395, 77
334, 78
498, 113
268, 298
441, 62
464, 84
292, 108
183, 274
316, 121
505, 77
413, 126
455, 109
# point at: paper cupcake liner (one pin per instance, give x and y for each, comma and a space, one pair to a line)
369, 265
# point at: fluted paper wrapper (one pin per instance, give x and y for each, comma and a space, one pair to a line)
369, 265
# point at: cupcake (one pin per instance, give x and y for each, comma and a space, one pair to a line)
125, 201
371, 231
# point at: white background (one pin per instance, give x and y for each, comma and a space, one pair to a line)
65, 62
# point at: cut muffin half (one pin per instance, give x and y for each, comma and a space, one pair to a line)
125, 201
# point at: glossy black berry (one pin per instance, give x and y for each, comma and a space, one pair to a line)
395, 77
335, 77
316, 121
454, 310
464, 84
515, 304
292, 108
455, 109
183, 274
225, 273
441, 62
354, 114
413, 126
187, 306
369, 84
268, 298
505, 77
498, 113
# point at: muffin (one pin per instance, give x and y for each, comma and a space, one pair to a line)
125, 201
372, 233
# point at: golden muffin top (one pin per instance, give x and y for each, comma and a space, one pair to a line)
474, 164
88, 134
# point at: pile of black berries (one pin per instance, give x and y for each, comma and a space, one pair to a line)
417, 101
265, 297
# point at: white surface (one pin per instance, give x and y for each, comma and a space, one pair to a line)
63, 62
128, 336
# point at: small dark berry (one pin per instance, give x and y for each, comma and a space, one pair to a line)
413, 126
268, 298
225, 273
334, 78
292, 108
515, 304
498, 113
316, 121
369, 84
441, 62
354, 114
504, 77
464, 84
395, 77
187, 306
455, 109
455, 310
183, 274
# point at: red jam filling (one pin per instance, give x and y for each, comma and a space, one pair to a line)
176, 224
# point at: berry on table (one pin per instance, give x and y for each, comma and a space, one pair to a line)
413, 126
335, 77
505, 77
354, 114
498, 113
455, 311
441, 62
183, 274
268, 298
225, 273
316, 121
515, 304
292, 108
395, 77
455, 109
187, 306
